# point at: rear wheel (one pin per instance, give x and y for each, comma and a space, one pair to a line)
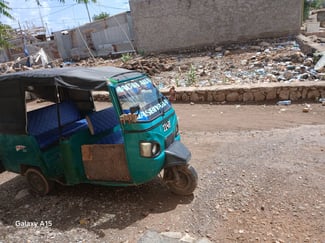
181, 180
37, 182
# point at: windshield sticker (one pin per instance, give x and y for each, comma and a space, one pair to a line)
152, 110
144, 94
128, 87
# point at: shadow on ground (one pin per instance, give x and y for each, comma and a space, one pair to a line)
89, 206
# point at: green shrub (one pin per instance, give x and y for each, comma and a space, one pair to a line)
126, 57
310, 5
191, 76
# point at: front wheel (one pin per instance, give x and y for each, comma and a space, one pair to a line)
37, 182
181, 180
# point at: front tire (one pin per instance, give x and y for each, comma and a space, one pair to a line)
181, 180
37, 182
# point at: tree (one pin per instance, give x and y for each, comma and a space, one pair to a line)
5, 34
102, 15
312, 4
4, 10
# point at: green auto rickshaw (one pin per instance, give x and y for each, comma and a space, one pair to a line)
68, 140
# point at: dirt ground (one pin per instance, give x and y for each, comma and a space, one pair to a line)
261, 179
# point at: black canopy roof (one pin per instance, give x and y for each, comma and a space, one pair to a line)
45, 83
86, 78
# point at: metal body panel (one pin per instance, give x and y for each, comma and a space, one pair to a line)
105, 162
80, 157
145, 169
177, 154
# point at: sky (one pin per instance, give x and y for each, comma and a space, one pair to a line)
57, 16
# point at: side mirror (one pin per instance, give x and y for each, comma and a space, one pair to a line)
135, 109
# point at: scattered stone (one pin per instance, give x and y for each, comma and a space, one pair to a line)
218, 49
21, 194
203, 240
227, 53
255, 48
150, 236
174, 235
307, 108
264, 44
308, 62
169, 237
187, 239
288, 75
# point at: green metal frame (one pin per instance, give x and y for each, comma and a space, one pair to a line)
63, 162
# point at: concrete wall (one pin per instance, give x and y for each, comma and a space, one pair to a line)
168, 25
101, 38
17, 49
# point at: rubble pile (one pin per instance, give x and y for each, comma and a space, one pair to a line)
274, 61
12, 67
151, 65
266, 62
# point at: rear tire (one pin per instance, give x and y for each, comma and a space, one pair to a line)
186, 183
37, 182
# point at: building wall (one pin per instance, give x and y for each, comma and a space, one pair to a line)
169, 25
99, 38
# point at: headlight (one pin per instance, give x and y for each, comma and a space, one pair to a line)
149, 149
177, 130
155, 148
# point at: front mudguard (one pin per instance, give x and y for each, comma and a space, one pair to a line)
176, 154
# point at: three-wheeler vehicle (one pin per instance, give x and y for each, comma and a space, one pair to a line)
69, 140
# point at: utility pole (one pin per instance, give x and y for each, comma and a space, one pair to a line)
41, 17
88, 11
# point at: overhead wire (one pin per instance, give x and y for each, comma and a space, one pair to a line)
44, 7
53, 13
65, 7
99, 4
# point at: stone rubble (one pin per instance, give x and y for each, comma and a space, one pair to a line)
235, 73
263, 62
254, 72
274, 62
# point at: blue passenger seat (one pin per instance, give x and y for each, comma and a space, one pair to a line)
44, 126
105, 121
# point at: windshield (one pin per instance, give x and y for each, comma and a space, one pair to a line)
145, 95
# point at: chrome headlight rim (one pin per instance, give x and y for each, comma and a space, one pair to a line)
149, 149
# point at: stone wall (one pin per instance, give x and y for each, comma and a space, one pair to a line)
296, 92
169, 25
309, 91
